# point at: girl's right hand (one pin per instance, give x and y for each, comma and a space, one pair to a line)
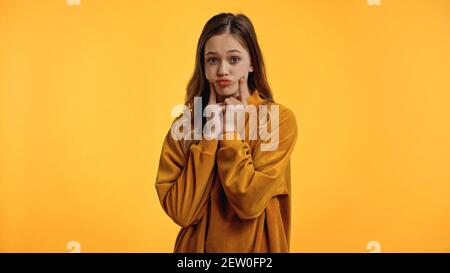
213, 102
212, 95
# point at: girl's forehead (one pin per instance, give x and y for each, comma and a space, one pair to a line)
223, 42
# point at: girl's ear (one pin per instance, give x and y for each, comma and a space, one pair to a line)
251, 68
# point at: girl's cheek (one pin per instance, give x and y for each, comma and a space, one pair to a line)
207, 76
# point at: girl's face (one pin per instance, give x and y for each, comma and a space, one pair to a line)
226, 59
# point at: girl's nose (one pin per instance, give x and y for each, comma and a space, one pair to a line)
223, 69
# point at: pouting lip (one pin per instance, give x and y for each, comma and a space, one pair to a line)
223, 81
224, 84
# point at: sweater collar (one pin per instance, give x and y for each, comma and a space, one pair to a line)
255, 98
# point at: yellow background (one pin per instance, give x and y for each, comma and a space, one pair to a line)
86, 94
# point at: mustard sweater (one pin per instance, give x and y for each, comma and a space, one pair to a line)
229, 195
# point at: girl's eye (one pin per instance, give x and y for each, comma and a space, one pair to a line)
235, 59
212, 60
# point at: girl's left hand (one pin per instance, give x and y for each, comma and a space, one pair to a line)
241, 100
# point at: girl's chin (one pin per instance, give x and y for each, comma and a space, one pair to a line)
225, 91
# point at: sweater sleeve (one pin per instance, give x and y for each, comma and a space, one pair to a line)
251, 178
184, 179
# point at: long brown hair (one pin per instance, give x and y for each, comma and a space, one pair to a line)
242, 29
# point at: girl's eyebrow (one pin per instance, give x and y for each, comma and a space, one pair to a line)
232, 50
